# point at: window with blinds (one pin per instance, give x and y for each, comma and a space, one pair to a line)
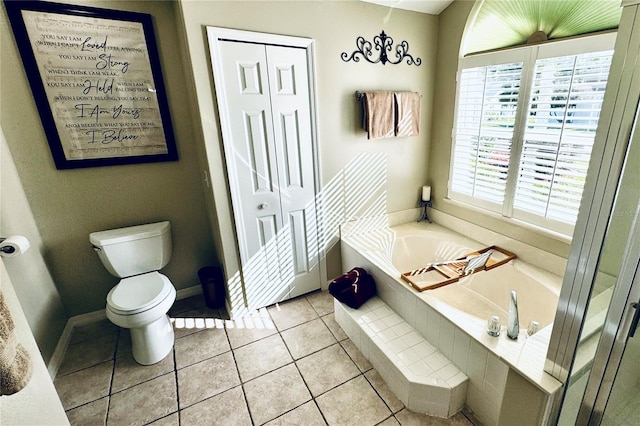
524, 130
486, 115
563, 112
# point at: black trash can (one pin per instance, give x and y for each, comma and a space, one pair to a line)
212, 281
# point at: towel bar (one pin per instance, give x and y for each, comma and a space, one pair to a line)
361, 95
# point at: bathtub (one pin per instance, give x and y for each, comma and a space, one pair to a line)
482, 294
453, 318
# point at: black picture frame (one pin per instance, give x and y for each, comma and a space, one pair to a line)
94, 114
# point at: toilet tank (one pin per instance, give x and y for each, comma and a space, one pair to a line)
135, 249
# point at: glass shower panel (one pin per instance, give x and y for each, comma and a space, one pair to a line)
624, 400
626, 393
623, 408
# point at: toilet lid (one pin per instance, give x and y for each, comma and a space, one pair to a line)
139, 293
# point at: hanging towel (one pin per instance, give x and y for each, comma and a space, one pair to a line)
407, 113
379, 114
15, 363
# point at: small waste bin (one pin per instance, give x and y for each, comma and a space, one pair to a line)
212, 282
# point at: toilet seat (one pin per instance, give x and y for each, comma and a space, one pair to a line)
139, 293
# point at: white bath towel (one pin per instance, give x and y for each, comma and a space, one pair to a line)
407, 113
379, 114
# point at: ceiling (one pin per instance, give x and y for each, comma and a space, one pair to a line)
432, 7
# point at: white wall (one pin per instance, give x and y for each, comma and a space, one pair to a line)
37, 403
34, 286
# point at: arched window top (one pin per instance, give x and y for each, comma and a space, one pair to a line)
496, 24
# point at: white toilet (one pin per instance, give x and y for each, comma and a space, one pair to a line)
141, 300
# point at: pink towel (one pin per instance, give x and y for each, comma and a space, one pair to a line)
408, 113
379, 114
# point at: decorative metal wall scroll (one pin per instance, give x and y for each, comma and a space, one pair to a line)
383, 43
96, 79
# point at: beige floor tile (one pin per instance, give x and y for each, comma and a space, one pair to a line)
189, 303
85, 385
291, 313
275, 389
358, 358
327, 369
124, 343
91, 414
207, 378
306, 414
263, 356
321, 301
275, 393
353, 403
200, 346
227, 408
93, 330
89, 352
383, 390
250, 328
409, 418
334, 327
195, 320
129, 373
391, 421
308, 338
170, 420
144, 403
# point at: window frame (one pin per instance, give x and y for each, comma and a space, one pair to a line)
528, 55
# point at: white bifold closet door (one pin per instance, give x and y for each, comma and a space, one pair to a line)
270, 166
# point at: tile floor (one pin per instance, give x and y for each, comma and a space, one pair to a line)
289, 364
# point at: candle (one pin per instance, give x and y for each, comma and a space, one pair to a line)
426, 193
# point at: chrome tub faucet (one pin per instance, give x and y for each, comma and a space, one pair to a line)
513, 327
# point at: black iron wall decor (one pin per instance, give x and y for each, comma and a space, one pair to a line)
383, 43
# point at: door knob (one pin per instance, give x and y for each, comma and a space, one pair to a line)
263, 206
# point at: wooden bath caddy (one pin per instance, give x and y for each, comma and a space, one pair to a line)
444, 273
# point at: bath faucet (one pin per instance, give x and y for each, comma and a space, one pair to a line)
513, 328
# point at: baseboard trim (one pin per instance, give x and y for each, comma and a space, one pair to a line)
61, 348
89, 318
188, 292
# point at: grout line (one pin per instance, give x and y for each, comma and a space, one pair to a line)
380, 396
244, 395
113, 374
392, 416
175, 373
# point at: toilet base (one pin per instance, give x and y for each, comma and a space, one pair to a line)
153, 342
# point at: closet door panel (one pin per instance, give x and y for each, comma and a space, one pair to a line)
250, 154
265, 115
291, 112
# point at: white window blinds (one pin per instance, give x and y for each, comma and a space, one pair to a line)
524, 127
486, 114
563, 112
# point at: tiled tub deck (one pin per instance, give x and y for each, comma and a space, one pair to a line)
419, 375
499, 372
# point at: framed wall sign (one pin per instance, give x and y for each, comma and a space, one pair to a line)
96, 79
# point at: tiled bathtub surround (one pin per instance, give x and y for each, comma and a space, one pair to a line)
487, 361
420, 376
290, 364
